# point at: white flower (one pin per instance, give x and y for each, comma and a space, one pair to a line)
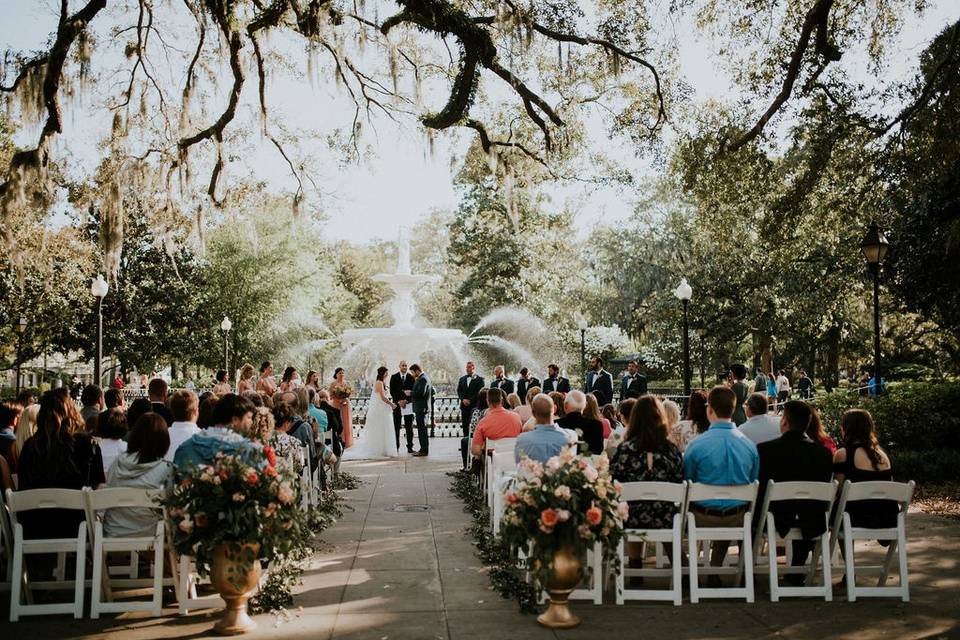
562, 492
553, 463
186, 525
239, 497
590, 474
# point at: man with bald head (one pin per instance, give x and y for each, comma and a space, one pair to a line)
546, 439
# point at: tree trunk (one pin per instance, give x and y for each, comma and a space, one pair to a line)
173, 369
766, 351
833, 359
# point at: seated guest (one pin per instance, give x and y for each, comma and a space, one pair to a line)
185, 409
498, 423
480, 408
232, 420
334, 424
268, 431
27, 426
817, 432
92, 400
60, 455
157, 391
672, 410
721, 456
696, 422
9, 418
647, 455
513, 401
546, 439
141, 466
623, 413
609, 413
25, 398
862, 460
287, 420
113, 398
592, 411
208, 402
588, 430
795, 457
111, 431
524, 410
317, 415
558, 410
760, 425
137, 408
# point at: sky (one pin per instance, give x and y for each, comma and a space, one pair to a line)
404, 180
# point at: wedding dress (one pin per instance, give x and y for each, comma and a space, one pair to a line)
377, 439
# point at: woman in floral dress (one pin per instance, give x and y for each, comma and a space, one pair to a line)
647, 455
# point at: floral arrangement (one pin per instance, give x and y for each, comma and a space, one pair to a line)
565, 502
341, 391
236, 500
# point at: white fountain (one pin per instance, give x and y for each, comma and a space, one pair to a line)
369, 348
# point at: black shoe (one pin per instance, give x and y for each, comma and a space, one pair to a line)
409, 449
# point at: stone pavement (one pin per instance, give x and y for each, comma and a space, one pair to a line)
385, 574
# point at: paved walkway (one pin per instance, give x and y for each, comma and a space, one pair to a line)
386, 574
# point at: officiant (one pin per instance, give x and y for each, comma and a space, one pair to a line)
401, 386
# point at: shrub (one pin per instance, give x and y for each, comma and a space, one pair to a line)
925, 466
917, 416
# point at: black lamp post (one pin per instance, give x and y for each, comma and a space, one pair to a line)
582, 326
702, 332
21, 327
226, 325
683, 293
99, 288
875, 247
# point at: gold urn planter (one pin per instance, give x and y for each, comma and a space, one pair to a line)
235, 573
565, 573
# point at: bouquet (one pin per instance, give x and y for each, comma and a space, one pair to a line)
235, 501
566, 502
341, 392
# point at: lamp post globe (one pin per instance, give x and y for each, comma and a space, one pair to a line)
683, 293
225, 326
98, 289
875, 247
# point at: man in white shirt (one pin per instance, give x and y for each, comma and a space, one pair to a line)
760, 425
783, 387
185, 408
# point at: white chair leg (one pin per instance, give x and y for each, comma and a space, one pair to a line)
597, 585
81, 572
887, 564
772, 560
619, 580
17, 581
96, 586
827, 574
677, 568
693, 546
746, 561
59, 574
904, 573
157, 577
848, 560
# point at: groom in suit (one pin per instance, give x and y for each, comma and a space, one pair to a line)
401, 386
554, 381
634, 383
468, 390
421, 394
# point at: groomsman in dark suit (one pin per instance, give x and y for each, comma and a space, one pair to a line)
554, 381
601, 383
634, 383
467, 391
401, 385
501, 382
525, 383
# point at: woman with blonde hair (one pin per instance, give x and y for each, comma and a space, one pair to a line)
245, 383
27, 425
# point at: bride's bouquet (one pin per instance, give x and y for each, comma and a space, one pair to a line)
341, 392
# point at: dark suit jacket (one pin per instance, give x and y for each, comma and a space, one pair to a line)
398, 383
421, 393
637, 387
504, 384
334, 422
591, 431
602, 387
163, 411
469, 391
559, 383
525, 385
792, 457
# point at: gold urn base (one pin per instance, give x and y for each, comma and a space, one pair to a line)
558, 614
566, 572
235, 574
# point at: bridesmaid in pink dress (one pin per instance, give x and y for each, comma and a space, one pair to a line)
346, 414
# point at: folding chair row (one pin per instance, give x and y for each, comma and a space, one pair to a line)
501, 445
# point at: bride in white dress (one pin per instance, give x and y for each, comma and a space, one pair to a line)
378, 439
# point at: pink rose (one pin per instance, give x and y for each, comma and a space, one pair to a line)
590, 474
594, 516
623, 510
562, 492
549, 517
512, 498
285, 493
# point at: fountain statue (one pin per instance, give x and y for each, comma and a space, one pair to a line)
440, 351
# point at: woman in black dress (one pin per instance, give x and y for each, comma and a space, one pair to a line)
862, 460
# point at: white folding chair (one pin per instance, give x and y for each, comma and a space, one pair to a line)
186, 579
654, 492
35, 499
592, 588
898, 492
822, 492
698, 492
492, 446
503, 466
103, 585
6, 546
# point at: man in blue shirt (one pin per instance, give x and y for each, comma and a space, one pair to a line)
546, 439
721, 456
